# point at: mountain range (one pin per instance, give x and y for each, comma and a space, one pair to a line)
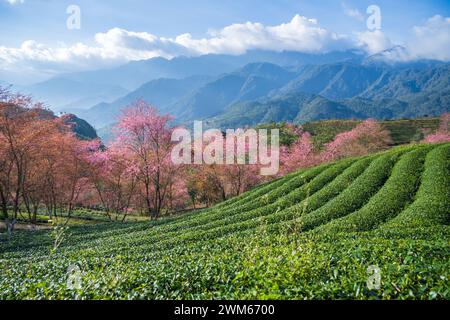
82, 90
265, 92
347, 90
257, 87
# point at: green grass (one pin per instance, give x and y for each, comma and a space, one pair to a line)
309, 235
80, 216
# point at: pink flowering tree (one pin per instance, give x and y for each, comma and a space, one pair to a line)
299, 155
177, 193
367, 137
113, 176
244, 174
215, 181
442, 134
145, 137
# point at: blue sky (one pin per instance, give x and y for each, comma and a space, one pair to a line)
44, 20
135, 22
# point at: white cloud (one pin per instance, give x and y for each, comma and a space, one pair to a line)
300, 34
432, 40
373, 41
14, 2
428, 41
119, 45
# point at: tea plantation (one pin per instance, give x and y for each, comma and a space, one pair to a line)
314, 234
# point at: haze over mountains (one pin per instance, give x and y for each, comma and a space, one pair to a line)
85, 89
257, 87
62, 93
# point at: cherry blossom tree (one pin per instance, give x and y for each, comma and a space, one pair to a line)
367, 137
213, 182
300, 154
113, 176
42, 161
146, 139
442, 134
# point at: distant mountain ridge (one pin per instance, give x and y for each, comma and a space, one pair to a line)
134, 74
345, 91
161, 92
261, 86
265, 92
61, 93
81, 90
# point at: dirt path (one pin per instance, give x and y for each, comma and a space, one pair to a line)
25, 226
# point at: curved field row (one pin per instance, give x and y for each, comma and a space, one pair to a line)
392, 198
432, 203
264, 196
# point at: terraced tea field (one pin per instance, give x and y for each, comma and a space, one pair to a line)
314, 234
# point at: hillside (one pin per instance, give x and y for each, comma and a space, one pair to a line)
80, 127
402, 131
347, 90
297, 108
265, 92
313, 234
300, 108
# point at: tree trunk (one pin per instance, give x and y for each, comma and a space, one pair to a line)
4, 204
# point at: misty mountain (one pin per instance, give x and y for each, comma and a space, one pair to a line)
252, 82
161, 93
134, 74
61, 93
275, 86
82, 90
399, 57
198, 96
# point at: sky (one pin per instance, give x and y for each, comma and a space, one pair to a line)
36, 42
